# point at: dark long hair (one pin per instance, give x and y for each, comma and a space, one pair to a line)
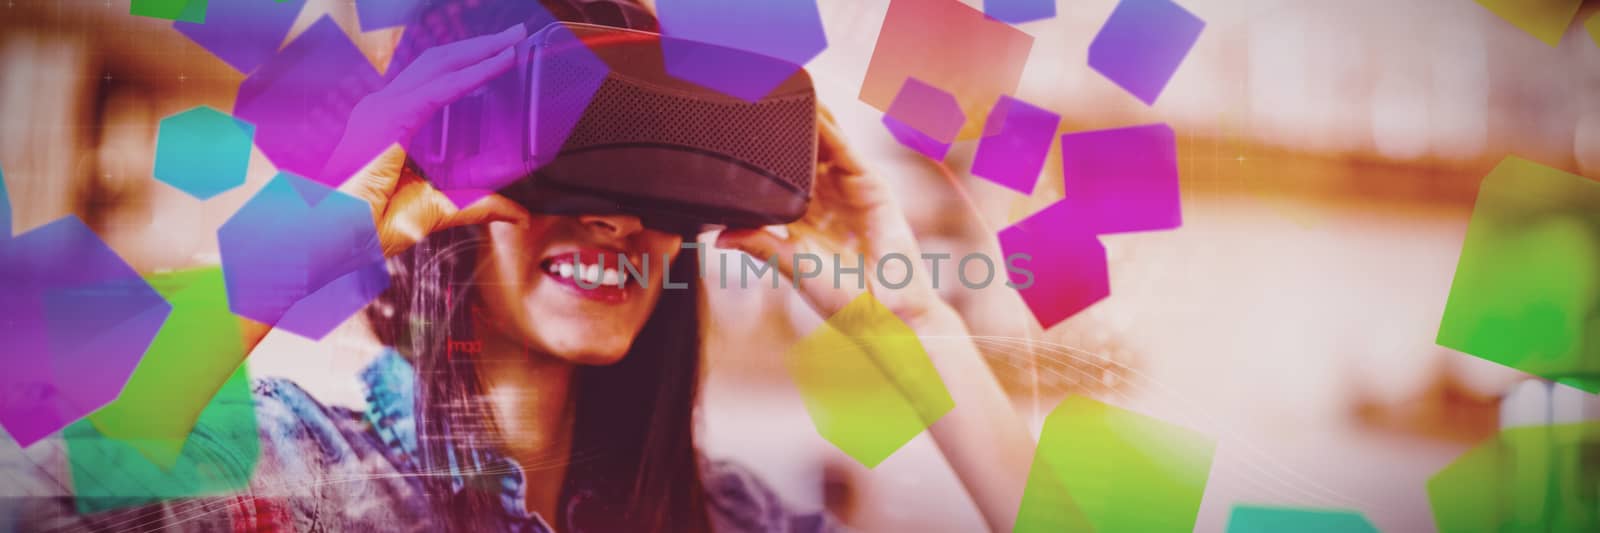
633, 452
633, 463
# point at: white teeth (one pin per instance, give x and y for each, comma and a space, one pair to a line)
589, 274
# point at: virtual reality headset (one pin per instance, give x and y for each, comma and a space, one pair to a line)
589, 121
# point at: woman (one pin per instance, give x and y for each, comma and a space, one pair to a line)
569, 412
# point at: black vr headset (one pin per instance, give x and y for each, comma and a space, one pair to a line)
682, 157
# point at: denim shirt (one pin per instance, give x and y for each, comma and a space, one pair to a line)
337, 469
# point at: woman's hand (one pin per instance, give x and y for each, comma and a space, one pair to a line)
406, 207
853, 212
853, 216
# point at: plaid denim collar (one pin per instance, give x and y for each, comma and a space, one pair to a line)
389, 385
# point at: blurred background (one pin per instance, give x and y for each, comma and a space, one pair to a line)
1330, 154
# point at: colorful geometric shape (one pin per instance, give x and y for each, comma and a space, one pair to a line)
460, 21
300, 100
1016, 139
301, 256
1019, 11
1260, 519
1525, 479
948, 45
192, 355
867, 383
184, 10
1529, 274
243, 33
1142, 44
380, 14
1067, 262
487, 149
494, 142
1126, 179
1114, 469
203, 152
75, 322
218, 456
924, 118
1546, 20
702, 40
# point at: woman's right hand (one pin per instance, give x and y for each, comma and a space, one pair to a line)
405, 207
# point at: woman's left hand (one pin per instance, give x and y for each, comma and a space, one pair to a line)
853, 212
853, 219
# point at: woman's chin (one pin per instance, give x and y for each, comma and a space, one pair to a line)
594, 358
586, 351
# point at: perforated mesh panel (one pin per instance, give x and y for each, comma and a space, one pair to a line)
777, 134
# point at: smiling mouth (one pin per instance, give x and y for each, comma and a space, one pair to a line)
589, 274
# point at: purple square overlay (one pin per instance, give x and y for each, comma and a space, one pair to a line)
301, 256
243, 33
1068, 262
1015, 141
787, 30
380, 14
77, 320
924, 118
1142, 44
497, 134
1123, 179
300, 100
1019, 11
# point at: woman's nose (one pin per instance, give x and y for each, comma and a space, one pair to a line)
612, 226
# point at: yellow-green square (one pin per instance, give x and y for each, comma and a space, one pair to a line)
1102, 468
1527, 284
867, 382
184, 10
1530, 479
185, 424
1546, 20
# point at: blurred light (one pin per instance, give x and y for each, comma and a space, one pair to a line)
1399, 115
1278, 77
1460, 92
